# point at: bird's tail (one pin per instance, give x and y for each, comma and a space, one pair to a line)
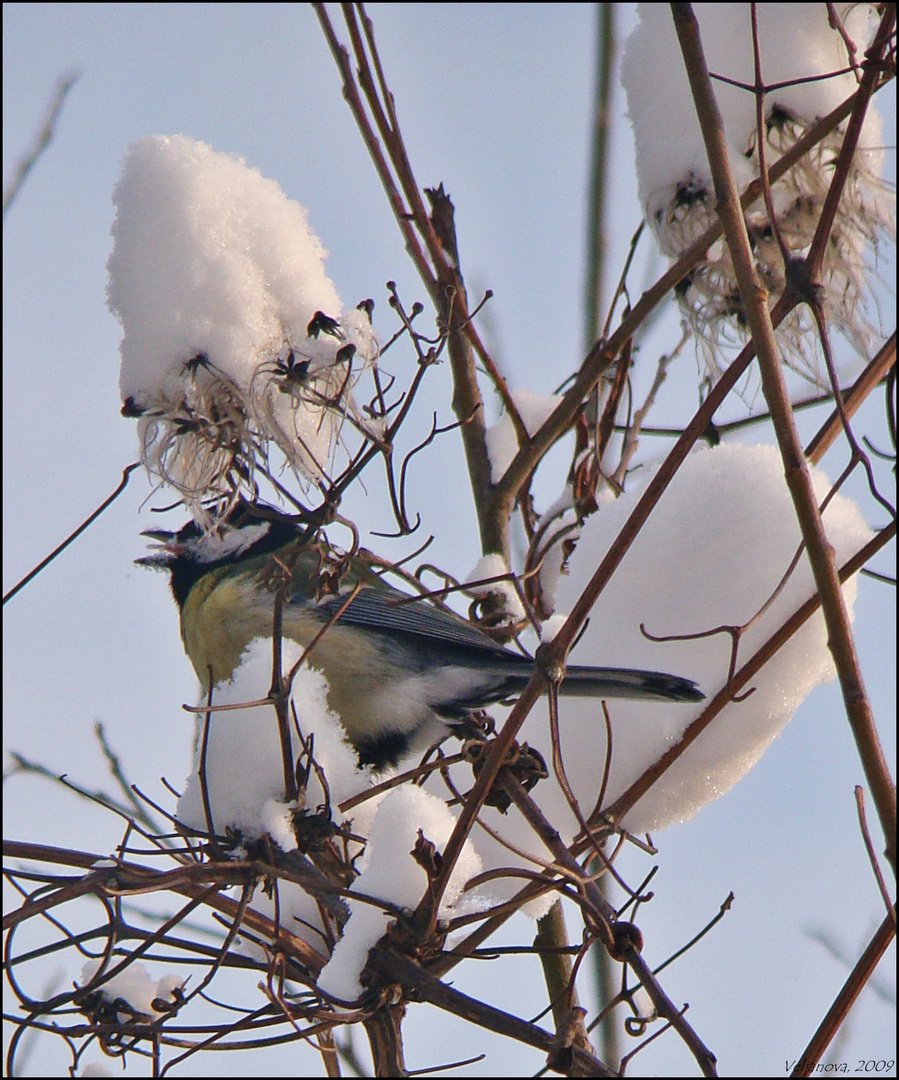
603, 682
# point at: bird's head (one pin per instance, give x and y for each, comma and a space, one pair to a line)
248, 531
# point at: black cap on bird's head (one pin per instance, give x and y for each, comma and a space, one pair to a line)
248, 531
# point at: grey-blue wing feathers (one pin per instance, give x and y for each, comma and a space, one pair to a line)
383, 609
438, 638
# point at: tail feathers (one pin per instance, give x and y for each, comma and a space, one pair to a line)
627, 683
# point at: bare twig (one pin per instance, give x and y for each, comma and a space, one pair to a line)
852, 400
602, 355
623, 941
430, 240
597, 243
742, 677
836, 1014
754, 299
42, 141
89, 520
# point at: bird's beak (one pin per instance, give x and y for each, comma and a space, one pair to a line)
164, 550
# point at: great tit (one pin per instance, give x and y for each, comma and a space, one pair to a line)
400, 671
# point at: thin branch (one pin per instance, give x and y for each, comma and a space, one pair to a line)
836, 1014
597, 240
754, 298
625, 939
601, 356
437, 261
394, 966
42, 140
89, 520
852, 400
872, 67
742, 678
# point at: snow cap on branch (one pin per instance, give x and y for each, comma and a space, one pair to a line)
410, 830
232, 330
711, 554
796, 42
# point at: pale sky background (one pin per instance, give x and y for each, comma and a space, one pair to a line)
494, 100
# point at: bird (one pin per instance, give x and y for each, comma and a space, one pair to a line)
401, 672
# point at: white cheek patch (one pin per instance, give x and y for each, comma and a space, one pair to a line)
231, 543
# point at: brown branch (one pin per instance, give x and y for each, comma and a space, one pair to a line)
425, 916
872, 855
872, 67
89, 520
602, 355
436, 264
821, 555
42, 140
852, 400
352, 98
422, 986
128, 878
385, 1038
853, 986
550, 942
741, 679
623, 941
600, 173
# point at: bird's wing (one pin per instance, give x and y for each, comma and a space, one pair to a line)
383, 609
390, 611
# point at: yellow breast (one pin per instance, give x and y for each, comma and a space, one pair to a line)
219, 619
